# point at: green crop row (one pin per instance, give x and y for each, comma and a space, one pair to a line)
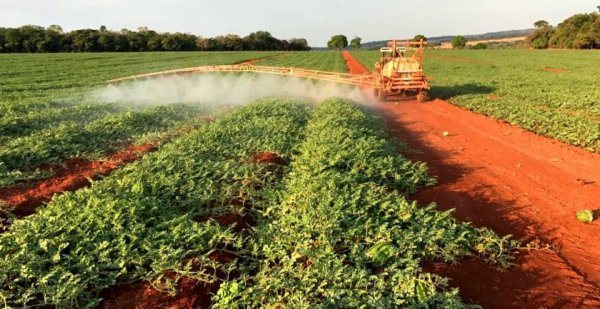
142, 220
551, 92
335, 228
72, 139
41, 109
323, 61
13, 126
39, 81
338, 234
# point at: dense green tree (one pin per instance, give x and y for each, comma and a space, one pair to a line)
418, 38
12, 37
459, 41
2, 39
170, 43
480, 46
121, 42
106, 41
52, 41
338, 41
298, 44
229, 42
540, 42
541, 24
578, 31
55, 28
356, 42
260, 40
30, 37
154, 40
540, 38
33, 39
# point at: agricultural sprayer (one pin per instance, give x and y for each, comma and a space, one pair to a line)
394, 74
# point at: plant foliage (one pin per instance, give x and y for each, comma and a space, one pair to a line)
141, 221
341, 233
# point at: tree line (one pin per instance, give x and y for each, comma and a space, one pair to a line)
580, 31
340, 41
37, 39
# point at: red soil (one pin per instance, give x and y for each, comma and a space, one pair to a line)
493, 97
239, 222
514, 182
70, 176
354, 67
268, 158
554, 70
255, 60
190, 293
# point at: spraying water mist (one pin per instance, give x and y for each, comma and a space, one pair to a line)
223, 89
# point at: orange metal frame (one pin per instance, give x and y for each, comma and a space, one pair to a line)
343, 78
398, 83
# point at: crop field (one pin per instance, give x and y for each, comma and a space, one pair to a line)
42, 119
553, 93
284, 202
184, 212
43, 80
323, 61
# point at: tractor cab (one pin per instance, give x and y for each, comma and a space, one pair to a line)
388, 54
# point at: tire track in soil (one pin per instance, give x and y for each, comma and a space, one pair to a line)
515, 182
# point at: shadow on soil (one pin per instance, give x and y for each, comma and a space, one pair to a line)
479, 283
596, 214
445, 92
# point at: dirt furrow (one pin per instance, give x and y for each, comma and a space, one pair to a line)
71, 175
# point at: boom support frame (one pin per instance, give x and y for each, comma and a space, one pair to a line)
365, 80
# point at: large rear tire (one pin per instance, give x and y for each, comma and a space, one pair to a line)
382, 96
423, 96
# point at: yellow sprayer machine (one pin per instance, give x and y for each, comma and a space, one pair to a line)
395, 74
398, 74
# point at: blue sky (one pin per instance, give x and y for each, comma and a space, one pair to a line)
315, 20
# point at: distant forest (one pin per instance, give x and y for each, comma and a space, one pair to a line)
581, 31
433, 41
36, 39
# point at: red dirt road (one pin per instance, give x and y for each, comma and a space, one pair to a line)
514, 182
354, 67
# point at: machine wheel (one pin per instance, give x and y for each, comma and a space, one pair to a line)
382, 96
423, 96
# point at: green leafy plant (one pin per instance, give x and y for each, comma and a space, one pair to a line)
340, 231
96, 138
142, 220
